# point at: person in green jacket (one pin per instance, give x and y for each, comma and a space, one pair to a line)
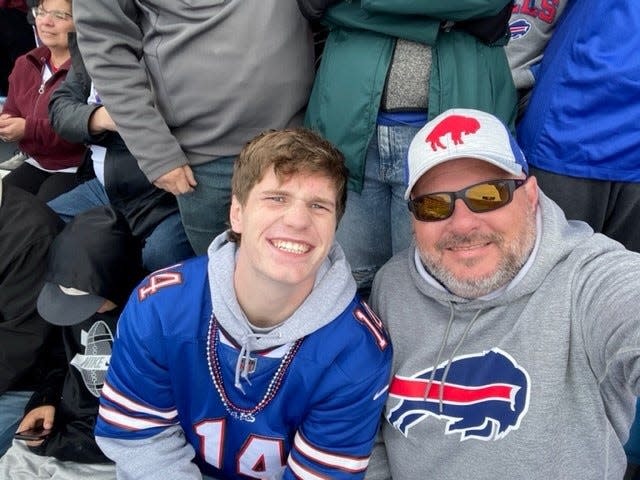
387, 68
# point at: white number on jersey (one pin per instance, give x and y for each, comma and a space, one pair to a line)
260, 457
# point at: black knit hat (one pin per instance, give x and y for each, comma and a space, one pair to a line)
95, 258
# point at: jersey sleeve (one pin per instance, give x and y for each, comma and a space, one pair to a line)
137, 425
137, 401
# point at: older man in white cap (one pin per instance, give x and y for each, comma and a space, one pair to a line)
516, 332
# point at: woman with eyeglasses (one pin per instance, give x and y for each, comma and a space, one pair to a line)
50, 167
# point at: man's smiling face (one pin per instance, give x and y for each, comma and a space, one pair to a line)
471, 253
287, 228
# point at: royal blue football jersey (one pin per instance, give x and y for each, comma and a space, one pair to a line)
309, 410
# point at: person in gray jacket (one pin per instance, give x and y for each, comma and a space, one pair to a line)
516, 332
188, 83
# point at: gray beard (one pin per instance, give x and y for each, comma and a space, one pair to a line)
515, 256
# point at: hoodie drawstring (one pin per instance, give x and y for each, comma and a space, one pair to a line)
442, 345
453, 354
243, 361
451, 357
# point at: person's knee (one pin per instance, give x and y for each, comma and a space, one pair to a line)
167, 244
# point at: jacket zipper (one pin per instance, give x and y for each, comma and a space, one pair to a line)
44, 66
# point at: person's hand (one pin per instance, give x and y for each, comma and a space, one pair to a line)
11, 128
39, 416
100, 121
178, 181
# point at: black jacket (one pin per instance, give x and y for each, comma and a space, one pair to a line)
143, 205
88, 349
97, 254
27, 228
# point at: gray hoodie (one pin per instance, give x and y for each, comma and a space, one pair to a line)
531, 27
537, 381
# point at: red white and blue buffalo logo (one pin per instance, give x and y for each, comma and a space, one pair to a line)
519, 28
484, 396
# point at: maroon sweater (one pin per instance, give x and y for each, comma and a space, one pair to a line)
26, 99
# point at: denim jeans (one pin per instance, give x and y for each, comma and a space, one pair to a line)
85, 196
205, 211
12, 405
376, 223
166, 245
632, 447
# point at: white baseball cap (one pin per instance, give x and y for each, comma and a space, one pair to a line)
463, 133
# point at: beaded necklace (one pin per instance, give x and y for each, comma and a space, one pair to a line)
244, 414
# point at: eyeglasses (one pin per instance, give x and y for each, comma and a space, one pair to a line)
481, 197
55, 14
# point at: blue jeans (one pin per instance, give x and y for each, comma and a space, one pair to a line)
205, 211
632, 447
376, 223
85, 196
166, 245
12, 405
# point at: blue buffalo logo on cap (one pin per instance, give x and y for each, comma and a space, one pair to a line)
484, 396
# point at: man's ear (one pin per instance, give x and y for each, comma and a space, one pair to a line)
531, 188
235, 215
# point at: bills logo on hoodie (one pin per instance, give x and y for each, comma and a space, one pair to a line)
483, 396
545, 10
519, 28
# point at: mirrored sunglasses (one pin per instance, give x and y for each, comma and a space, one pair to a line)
481, 197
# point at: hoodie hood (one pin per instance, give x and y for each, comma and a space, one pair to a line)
333, 280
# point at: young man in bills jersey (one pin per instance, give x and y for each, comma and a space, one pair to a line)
259, 360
